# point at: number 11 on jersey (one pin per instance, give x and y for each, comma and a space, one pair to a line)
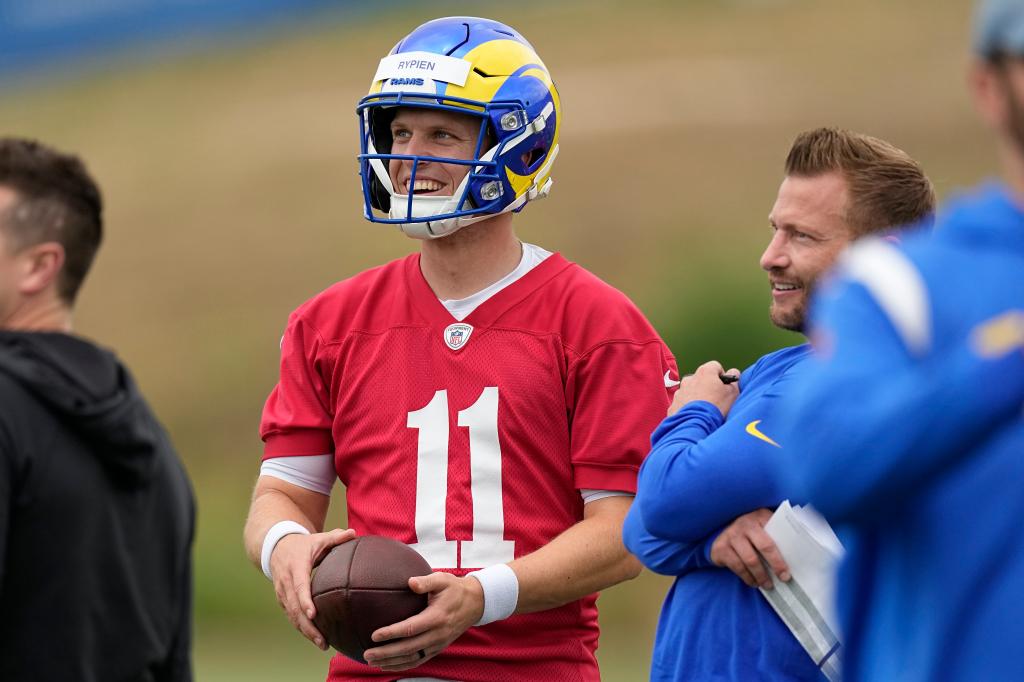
488, 545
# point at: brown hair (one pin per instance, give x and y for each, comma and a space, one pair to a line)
57, 201
887, 188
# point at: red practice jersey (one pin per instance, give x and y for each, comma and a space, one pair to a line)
470, 440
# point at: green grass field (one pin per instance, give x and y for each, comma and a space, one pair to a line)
232, 194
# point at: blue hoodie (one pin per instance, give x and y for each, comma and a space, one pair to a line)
907, 433
701, 474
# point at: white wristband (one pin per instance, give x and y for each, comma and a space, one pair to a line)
273, 536
501, 592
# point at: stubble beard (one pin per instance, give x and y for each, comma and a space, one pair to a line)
794, 315
791, 319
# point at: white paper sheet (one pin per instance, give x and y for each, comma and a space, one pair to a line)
806, 603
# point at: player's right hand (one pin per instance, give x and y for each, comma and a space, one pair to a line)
705, 384
292, 564
742, 544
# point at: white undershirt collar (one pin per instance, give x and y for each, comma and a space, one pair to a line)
460, 308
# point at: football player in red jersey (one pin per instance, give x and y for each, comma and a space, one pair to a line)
483, 400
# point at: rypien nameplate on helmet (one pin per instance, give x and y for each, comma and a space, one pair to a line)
417, 71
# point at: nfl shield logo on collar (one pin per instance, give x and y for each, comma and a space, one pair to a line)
456, 335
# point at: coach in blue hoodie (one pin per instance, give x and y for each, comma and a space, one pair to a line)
909, 433
706, 489
96, 512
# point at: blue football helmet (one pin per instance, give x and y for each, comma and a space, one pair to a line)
469, 66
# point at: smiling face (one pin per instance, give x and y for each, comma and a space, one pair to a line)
425, 132
809, 229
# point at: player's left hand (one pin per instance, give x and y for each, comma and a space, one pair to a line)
454, 605
741, 546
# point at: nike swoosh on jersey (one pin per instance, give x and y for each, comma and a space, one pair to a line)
752, 430
669, 381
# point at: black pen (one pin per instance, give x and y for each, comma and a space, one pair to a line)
728, 378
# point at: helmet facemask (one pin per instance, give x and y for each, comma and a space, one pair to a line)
476, 197
462, 65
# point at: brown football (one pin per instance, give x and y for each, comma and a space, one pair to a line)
363, 585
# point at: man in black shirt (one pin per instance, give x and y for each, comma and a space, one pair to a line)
96, 511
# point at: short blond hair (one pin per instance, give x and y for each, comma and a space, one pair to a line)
887, 188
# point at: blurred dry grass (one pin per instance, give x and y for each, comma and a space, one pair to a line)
232, 196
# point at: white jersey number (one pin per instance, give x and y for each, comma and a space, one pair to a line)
488, 545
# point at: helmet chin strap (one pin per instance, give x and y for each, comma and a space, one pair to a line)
424, 207
427, 206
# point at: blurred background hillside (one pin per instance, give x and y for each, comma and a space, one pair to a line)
226, 151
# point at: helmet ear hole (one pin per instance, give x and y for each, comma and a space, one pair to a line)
532, 158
